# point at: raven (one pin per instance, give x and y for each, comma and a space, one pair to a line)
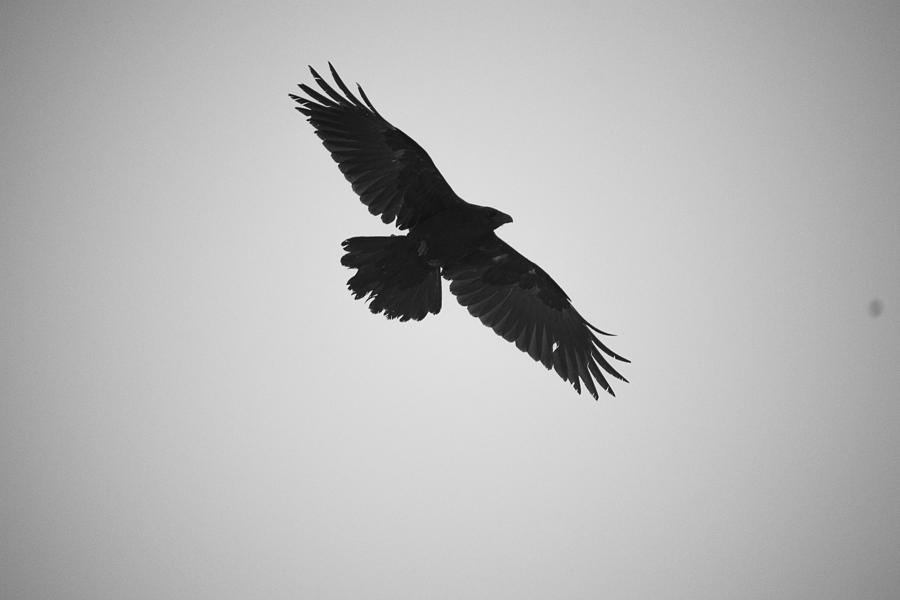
447, 236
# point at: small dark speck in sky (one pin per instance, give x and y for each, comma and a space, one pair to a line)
876, 306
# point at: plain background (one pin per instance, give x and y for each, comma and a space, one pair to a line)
193, 406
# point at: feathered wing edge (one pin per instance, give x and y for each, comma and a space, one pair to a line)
390, 172
554, 334
348, 100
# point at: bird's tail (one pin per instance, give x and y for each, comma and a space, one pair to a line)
390, 270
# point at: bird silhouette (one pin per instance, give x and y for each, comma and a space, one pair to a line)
446, 236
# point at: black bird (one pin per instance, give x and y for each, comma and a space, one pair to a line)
446, 236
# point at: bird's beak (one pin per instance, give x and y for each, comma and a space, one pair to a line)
502, 218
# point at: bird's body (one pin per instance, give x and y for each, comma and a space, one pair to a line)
453, 233
446, 236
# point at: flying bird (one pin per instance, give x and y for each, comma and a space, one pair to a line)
446, 236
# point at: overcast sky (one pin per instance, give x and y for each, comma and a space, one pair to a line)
193, 406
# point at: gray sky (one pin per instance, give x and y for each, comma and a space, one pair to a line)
193, 406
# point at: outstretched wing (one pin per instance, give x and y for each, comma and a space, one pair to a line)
521, 303
389, 171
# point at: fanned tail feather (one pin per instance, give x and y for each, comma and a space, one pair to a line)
397, 282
